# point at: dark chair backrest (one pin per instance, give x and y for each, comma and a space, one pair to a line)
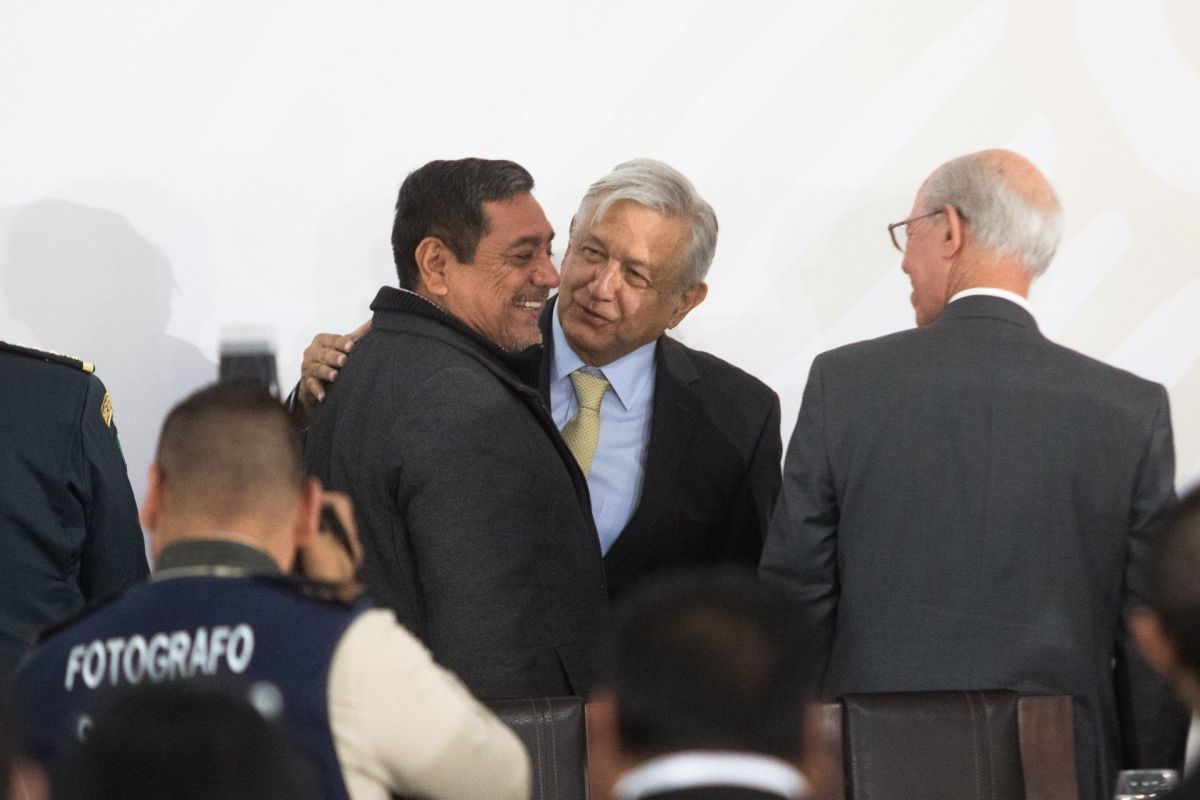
976, 745
553, 731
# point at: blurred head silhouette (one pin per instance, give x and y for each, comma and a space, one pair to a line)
182, 741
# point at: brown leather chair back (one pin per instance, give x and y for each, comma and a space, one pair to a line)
989, 745
552, 730
932, 745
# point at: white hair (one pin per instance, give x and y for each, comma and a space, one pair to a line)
1002, 220
664, 189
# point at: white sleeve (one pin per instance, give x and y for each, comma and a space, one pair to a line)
404, 724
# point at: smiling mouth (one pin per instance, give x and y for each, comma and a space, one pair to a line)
595, 315
530, 303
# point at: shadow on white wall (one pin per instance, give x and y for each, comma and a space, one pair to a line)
82, 280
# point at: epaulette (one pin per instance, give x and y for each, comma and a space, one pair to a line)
47, 356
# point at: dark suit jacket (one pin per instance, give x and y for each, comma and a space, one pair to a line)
712, 465
968, 505
474, 516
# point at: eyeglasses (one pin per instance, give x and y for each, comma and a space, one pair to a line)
901, 239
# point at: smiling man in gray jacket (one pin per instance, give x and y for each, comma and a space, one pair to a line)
474, 515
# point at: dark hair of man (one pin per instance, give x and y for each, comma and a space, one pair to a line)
1174, 590
227, 448
445, 199
710, 659
187, 742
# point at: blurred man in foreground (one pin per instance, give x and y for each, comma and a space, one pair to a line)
706, 699
182, 740
227, 507
1168, 628
968, 505
20, 778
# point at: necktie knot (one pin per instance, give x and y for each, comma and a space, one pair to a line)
583, 430
589, 389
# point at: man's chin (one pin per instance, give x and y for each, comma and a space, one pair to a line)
525, 339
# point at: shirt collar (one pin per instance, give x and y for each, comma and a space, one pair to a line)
220, 557
1003, 294
629, 376
684, 770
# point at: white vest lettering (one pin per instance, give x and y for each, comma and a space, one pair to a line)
166, 656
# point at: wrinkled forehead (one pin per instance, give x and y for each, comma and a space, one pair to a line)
643, 233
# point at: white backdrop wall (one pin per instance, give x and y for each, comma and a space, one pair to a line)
174, 169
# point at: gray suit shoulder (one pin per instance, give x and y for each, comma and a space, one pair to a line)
860, 353
1059, 364
1128, 381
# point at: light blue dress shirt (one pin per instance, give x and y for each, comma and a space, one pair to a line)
615, 480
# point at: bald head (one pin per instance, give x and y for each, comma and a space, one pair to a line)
1008, 204
1020, 176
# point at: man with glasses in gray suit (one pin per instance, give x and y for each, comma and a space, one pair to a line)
967, 505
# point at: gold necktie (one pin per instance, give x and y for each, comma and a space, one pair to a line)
582, 430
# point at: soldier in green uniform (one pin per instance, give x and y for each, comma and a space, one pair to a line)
69, 528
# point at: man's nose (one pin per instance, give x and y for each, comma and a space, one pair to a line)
545, 274
604, 281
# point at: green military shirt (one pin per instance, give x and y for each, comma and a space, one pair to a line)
69, 530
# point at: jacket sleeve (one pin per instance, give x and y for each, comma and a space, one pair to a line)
1153, 723
750, 511
801, 546
113, 554
401, 721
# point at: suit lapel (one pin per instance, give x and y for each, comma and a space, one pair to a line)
674, 413
547, 350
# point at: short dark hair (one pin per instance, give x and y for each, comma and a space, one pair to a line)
186, 741
445, 199
708, 659
226, 445
1173, 590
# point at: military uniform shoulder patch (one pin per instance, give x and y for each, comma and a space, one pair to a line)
106, 409
47, 356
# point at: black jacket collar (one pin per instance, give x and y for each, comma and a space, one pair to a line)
523, 363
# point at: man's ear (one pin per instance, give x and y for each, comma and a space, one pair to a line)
690, 298
308, 515
152, 507
153, 512
433, 257
1157, 648
952, 242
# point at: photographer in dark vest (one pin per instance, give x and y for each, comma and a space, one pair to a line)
228, 507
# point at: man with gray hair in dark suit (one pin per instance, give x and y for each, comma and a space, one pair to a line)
968, 505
